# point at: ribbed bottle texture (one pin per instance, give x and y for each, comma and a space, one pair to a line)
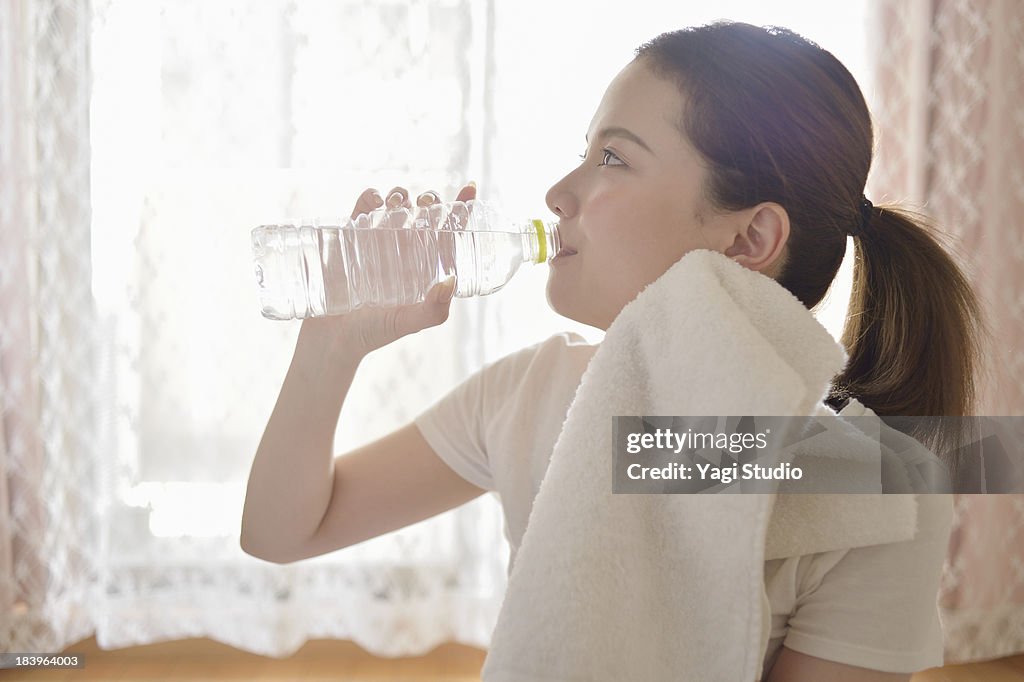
392, 257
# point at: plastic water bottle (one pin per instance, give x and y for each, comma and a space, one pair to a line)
392, 257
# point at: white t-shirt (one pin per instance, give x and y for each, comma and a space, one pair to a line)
873, 607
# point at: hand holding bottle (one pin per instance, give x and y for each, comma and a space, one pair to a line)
368, 328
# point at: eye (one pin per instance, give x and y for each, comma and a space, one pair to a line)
605, 153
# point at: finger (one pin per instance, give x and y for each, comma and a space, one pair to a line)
398, 196
428, 198
369, 200
467, 193
433, 216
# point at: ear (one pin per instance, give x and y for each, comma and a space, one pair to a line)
761, 238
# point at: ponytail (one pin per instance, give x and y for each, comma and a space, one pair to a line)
914, 329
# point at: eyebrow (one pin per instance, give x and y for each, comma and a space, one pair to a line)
617, 131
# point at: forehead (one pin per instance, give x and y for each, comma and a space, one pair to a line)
647, 105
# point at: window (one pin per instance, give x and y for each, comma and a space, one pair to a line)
211, 118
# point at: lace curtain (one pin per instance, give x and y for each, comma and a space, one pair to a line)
950, 77
50, 355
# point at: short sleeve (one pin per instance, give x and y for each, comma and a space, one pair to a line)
477, 426
877, 606
454, 428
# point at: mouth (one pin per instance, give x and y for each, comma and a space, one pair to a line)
562, 254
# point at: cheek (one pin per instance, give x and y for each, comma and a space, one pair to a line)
650, 241
646, 255
669, 232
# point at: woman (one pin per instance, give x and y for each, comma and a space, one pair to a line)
748, 141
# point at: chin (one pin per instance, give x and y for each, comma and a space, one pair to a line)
563, 304
561, 301
555, 300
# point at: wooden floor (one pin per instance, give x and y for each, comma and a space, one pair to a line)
202, 659
192, 660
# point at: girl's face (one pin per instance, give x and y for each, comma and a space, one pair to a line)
633, 207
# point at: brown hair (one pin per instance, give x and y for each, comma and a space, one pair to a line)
777, 118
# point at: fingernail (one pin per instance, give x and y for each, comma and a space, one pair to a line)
472, 184
395, 199
426, 199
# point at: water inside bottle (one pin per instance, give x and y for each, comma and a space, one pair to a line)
389, 267
329, 270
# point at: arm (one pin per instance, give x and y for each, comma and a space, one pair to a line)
793, 666
300, 501
291, 477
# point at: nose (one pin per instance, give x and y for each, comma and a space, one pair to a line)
560, 199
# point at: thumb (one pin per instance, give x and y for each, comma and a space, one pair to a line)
432, 311
441, 293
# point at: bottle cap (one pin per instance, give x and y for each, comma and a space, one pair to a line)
542, 238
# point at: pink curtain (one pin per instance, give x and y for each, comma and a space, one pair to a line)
950, 140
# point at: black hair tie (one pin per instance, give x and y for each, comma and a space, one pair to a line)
866, 211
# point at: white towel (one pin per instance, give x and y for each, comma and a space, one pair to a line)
671, 587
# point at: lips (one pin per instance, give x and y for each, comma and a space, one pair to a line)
564, 250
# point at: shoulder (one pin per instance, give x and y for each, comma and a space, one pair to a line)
934, 522
565, 354
562, 345
925, 550
565, 347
